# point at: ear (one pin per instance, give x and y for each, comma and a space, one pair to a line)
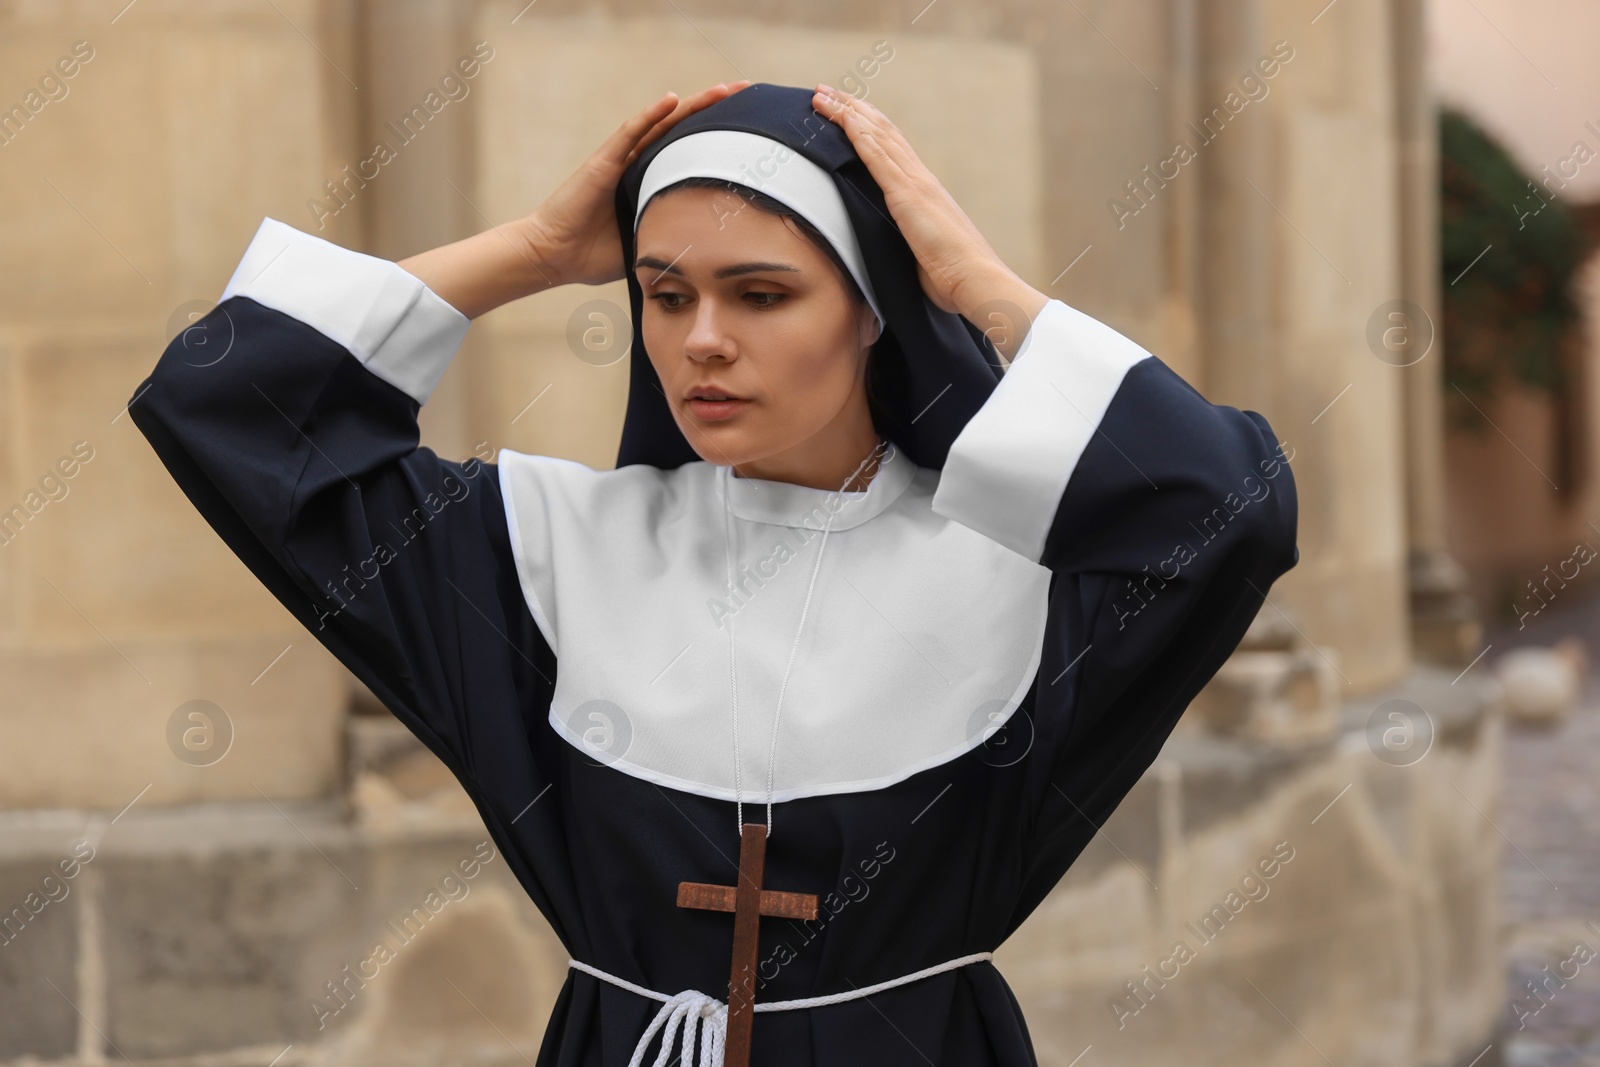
869, 328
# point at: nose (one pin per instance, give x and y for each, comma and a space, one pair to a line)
707, 339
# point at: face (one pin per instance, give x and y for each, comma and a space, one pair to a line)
739, 303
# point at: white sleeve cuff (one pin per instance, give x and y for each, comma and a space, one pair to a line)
1009, 466
386, 317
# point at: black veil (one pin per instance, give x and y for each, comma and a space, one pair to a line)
928, 372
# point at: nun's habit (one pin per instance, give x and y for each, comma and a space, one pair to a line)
1003, 629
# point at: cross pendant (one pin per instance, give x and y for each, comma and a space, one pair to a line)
748, 902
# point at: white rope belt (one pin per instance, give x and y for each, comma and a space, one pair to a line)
704, 1019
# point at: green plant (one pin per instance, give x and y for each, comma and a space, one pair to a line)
1509, 316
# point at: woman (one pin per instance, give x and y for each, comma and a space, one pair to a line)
936, 619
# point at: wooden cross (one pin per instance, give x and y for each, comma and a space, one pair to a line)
748, 902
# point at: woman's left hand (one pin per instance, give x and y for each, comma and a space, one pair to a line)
956, 266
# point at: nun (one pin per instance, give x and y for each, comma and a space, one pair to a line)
903, 575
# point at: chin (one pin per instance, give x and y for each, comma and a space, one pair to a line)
719, 444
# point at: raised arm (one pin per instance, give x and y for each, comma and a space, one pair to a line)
1094, 455
1163, 518
573, 237
288, 416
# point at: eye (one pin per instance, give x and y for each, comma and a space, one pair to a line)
766, 300
666, 301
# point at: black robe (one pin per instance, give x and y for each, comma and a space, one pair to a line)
301, 458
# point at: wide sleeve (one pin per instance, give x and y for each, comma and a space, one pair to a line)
288, 416
1164, 520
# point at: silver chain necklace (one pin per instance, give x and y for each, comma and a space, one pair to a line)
727, 541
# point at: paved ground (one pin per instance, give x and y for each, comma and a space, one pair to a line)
1551, 873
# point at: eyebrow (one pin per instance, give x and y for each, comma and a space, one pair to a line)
723, 272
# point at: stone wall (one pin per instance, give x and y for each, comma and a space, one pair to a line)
249, 930
1246, 904
125, 204
1274, 905
217, 891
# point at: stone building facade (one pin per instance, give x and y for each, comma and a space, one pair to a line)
1243, 186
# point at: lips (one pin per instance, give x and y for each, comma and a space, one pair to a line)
709, 410
710, 392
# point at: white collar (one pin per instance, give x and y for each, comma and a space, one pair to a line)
805, 507
922, 638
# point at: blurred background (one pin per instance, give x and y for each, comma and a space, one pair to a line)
1371, 220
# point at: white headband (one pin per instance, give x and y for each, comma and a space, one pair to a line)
769, 167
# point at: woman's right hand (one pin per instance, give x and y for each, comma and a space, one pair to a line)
574, 235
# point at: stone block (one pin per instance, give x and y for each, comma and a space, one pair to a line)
161, 82
121, 505
239, 926
1274, 697
100, 735
40, 924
